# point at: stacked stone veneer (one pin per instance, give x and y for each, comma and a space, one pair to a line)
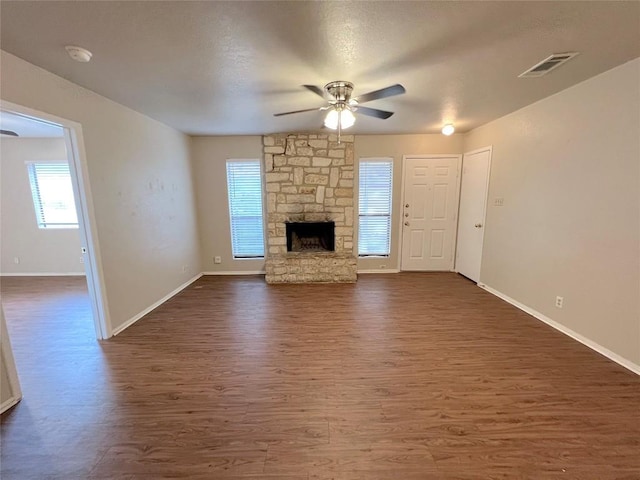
309, 177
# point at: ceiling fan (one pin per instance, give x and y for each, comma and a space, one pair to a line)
342, 107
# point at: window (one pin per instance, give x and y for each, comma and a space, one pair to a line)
244, 185
374, 226
52, 195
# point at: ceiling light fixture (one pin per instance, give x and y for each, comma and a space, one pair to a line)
448, 129
339, 118
79, 54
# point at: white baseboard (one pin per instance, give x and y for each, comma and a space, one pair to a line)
380, 270
147, 310
252, 272
567, 331
8, 403
48, 274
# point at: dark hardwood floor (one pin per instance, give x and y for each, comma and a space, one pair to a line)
408, 376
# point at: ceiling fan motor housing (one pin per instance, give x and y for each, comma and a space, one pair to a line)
340, 90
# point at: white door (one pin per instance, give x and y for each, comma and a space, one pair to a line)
473, 203
429, 209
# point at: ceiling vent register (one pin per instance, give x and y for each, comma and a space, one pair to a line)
548, 64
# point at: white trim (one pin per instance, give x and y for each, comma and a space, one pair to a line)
152, 307
567, 331
9, 364
486, 202
455, 220
47, 274
8, 403
379, 270
78, 168
250, 272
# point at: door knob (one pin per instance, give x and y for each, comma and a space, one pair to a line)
406, 224
406, 206
478, 225
406, 214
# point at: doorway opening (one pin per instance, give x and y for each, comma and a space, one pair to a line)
51, 280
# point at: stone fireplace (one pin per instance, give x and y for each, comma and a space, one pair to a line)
309, 185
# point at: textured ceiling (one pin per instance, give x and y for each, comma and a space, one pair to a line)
215, 68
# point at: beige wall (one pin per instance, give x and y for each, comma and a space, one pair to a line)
395, 146
209, 156
48, 251
568, 168
140, 178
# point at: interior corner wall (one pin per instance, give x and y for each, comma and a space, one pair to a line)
140, 178
395, 147
46, 251
209, 157
568, 168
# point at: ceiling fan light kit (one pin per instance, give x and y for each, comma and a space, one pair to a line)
343, 118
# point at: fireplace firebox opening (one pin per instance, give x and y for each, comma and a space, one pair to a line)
310, 236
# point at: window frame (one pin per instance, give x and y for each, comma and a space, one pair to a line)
386, 160
231, 161
36, 195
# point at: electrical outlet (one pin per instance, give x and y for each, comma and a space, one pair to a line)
217, 259
498, 201
559, 302
81, 259
16, 260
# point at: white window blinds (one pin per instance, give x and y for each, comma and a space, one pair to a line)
52, 195
375, 186
245, 208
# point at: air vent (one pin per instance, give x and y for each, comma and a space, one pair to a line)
550, 63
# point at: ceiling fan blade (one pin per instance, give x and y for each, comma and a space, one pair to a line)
297, 111
315, 89
11, 133
374, 112
396, 89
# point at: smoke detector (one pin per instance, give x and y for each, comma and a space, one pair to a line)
79, 54
550, 63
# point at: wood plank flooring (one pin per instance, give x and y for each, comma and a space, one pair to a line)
408, 376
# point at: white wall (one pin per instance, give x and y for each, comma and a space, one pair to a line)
568, 168
47, 251
140, 178
209, 159
395, 147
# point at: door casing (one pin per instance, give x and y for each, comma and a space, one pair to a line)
84, 204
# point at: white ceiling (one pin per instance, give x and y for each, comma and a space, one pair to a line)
214, 68
27, 127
